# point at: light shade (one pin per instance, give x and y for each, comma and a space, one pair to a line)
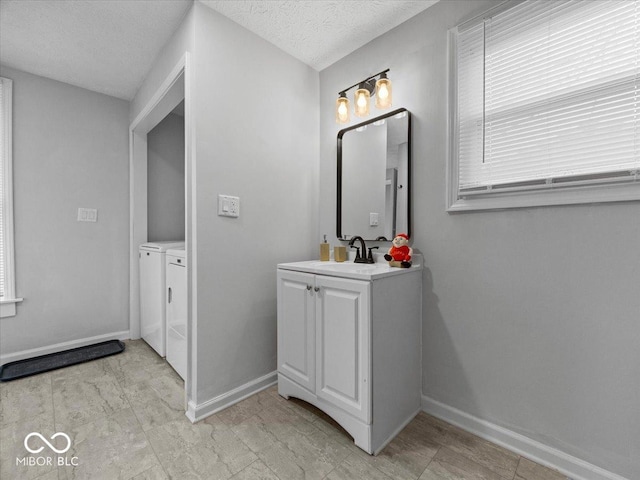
342, 109
383, 92
361, 101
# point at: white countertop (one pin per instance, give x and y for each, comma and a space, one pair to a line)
349, 269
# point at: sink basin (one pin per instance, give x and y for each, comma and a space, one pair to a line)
356, 268
348, 266
360, 271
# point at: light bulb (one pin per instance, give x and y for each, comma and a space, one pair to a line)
383, 92
342, 109
362, 102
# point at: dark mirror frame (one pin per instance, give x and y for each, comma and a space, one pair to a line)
339, 172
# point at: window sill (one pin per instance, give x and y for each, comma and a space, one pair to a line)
8, 307
565, 196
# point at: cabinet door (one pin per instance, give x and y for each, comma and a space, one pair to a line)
296, 327
343, 345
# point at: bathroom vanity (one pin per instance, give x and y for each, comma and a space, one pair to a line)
349, 342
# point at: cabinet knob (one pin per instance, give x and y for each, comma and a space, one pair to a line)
316, 289
309, 287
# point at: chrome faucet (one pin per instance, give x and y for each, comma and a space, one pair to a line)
361, 258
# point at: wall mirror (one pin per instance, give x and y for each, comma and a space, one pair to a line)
374, 178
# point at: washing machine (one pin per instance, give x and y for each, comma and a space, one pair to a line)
152, 293
177, 310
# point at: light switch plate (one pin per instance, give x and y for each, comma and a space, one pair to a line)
87, 215
373, 219
228, 206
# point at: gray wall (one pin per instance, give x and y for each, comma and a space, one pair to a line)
256, 114
70, 150
531, 316
171, 53
165, 180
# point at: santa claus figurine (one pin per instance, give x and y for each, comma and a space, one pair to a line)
399, 254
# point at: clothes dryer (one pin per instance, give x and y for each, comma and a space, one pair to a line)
177, 311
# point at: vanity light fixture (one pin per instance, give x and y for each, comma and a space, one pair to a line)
377, 84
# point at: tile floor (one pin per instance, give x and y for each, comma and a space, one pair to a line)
124, 416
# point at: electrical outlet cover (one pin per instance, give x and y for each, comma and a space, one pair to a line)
87, 215
228, 206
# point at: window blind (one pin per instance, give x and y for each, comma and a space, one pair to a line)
7, 266
548, 95
3, 161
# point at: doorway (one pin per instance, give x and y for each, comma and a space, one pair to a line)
171, 98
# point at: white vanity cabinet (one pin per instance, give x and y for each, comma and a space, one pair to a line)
351, 347
324, 337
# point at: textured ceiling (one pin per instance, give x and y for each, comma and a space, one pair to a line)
108, 46
319, 32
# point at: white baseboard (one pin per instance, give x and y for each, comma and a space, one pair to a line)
195, 413
59, 347
569, 465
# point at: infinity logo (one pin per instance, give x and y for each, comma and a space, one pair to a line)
36, 434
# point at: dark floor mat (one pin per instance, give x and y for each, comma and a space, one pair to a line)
53, 361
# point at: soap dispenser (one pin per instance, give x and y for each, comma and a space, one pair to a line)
324, 251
